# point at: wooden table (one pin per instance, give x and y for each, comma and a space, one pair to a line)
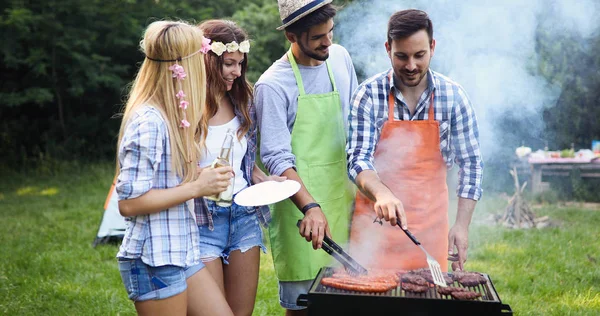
588, 168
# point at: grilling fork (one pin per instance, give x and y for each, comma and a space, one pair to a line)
434, 266
332, 248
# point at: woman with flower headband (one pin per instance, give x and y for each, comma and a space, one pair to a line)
158, 151
230, 237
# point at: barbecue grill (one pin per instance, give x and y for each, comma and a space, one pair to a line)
323, 300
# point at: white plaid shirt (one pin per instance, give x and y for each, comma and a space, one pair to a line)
168, 237
459, 135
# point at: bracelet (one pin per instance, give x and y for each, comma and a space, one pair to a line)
309, 206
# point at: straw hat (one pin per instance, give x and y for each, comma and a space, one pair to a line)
291, 11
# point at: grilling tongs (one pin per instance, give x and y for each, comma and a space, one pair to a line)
341, 256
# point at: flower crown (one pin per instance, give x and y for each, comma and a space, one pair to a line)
219, 48
179, 74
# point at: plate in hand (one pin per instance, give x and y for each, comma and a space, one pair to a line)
266, 193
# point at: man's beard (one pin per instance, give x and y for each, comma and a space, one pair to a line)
312, 54
412, 83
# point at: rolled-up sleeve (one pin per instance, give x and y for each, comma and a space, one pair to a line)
362, 133
275, 137
140, 153
465, 143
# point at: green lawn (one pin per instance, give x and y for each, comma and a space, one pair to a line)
48, 266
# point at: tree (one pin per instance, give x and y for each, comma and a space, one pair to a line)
64, 68
268, 44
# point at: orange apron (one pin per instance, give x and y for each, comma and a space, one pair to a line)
409, 162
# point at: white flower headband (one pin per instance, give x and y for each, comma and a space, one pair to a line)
219, 48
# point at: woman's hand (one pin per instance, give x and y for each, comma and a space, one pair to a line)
212, 181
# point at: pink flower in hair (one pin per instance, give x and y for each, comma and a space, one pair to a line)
178, 71
205, 45
184, 104
185, 123
180, 95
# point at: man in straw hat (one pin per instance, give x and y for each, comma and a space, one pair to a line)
302, 101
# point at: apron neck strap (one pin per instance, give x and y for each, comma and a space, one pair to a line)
392, 102
299, 81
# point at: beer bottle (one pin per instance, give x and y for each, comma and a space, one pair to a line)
224, 198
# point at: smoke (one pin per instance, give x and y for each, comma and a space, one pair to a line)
489, 47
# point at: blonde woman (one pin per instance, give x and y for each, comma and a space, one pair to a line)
158, 151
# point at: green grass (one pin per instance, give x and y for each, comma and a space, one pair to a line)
48, 266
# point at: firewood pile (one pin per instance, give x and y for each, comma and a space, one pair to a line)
518, 213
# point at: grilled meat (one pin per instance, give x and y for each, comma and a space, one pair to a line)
458, 293
375, 282
426, 274
350, 284
469, 278
450, 289
414, 278
466, 295
414, 288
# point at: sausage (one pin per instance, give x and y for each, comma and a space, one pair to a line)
358, 286
388, 277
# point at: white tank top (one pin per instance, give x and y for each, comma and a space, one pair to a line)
214, 141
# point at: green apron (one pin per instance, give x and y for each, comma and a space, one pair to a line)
318, 142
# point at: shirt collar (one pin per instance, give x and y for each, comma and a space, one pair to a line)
430, 84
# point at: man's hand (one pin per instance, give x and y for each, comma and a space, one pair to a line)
259, 176
458, 239
314, 227
388, 206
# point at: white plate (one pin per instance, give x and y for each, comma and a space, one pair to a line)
266, 193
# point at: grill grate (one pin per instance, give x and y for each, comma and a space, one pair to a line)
486, 293
323, 300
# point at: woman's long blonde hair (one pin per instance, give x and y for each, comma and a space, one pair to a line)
154, 85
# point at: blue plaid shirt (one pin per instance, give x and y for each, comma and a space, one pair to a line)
203, 216
168, 237
459, 135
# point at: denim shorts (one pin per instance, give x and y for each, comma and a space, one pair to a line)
144, 282
289, 292
235, 228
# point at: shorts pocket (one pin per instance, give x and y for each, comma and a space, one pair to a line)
165, 276
129, 276
327, 181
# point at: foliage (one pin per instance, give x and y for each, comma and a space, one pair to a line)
65, 66
575, 188
268, 44
566, 61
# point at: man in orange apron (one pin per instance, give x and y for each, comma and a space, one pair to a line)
407, 126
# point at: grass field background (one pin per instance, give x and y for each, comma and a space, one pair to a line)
48, 266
